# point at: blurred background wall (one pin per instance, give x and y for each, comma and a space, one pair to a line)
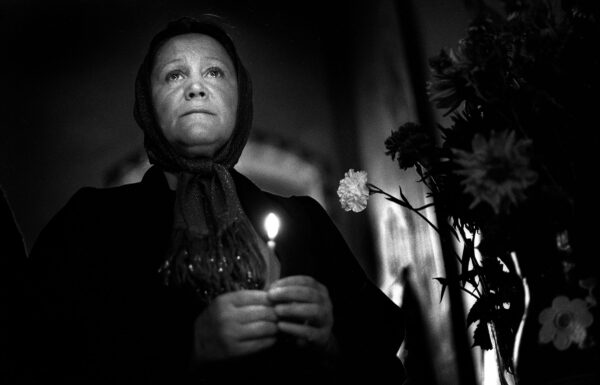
329, 86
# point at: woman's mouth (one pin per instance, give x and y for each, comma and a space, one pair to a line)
197, 111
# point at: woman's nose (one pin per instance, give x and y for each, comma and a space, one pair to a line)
195, 90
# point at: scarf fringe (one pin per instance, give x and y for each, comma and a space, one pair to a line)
215, 264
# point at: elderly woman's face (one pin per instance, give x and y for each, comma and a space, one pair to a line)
195, 94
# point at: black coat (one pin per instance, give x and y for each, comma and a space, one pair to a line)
13, 257
99, 312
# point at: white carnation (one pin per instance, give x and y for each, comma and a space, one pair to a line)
353, 191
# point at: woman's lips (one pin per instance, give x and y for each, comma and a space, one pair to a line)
197, 111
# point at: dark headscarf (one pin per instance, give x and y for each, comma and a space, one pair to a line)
214, 248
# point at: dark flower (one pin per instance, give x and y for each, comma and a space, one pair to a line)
450, 85
411, 144
497, 171
459, 135
521, 77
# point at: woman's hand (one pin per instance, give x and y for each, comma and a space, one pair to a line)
304, 309
235, 324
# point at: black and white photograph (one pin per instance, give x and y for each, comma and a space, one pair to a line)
299, 192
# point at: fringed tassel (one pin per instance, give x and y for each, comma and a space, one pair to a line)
212, 265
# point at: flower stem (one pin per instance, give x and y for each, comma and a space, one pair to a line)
404, 203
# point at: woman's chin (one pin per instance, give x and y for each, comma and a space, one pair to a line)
197, 151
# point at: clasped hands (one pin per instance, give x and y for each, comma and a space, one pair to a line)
247, 321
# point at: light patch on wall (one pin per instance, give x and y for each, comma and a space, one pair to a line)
281, 171
129, 169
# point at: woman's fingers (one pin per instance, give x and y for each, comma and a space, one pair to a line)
304, 309
301, 312
298, 330
298, 288
253, 313
234, 324
295, 280
246, 297
306, 334
295, 293
256, 330
256, 345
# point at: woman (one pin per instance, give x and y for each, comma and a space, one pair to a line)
170, 280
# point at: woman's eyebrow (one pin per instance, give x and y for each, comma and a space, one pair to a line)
216, 58
221, 61
163, 65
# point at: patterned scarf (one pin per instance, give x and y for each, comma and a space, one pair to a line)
214, 247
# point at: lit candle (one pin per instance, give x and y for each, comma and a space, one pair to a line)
272, 228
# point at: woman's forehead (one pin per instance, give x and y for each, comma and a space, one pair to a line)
191, 44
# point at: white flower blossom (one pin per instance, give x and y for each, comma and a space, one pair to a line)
353, 191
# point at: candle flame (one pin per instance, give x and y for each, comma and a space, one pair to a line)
272, 225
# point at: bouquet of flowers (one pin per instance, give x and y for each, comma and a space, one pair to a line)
517, 91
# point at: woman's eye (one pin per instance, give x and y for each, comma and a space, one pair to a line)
215, 72
172, 76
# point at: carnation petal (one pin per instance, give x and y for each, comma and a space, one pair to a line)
353, 191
